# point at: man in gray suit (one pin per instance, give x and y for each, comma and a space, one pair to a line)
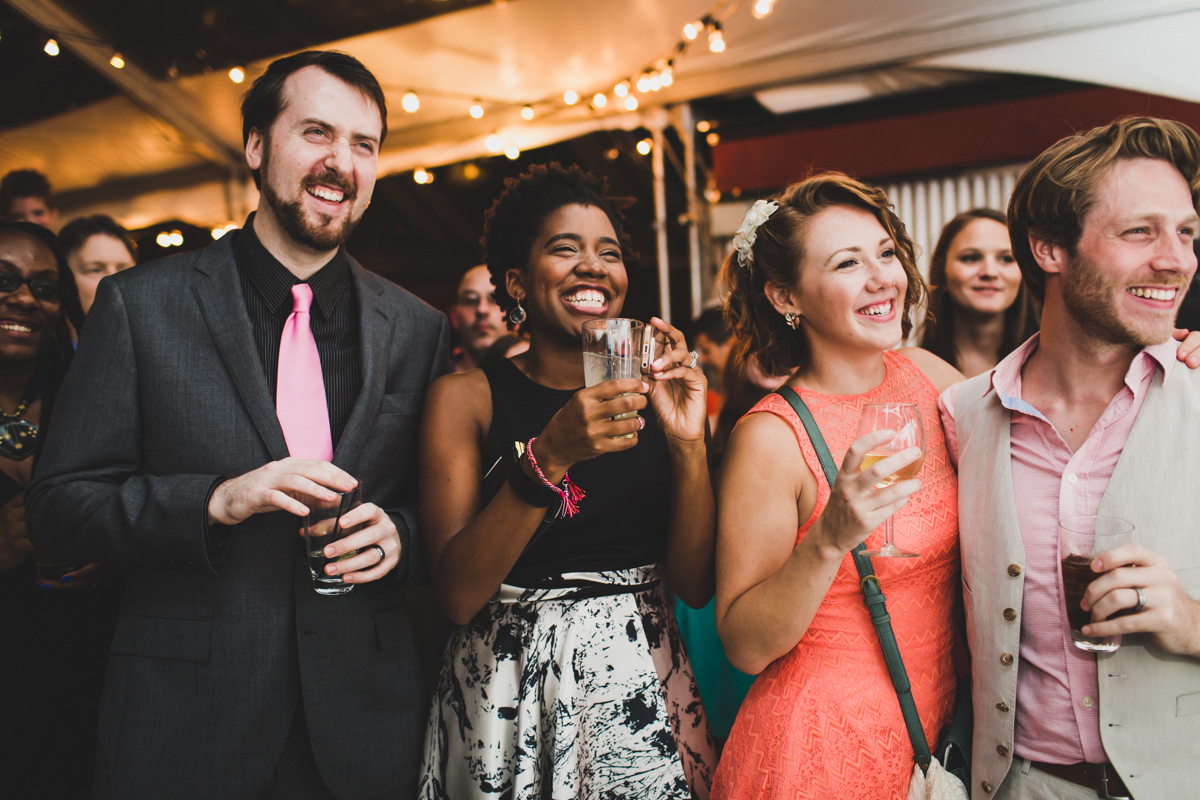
169, 454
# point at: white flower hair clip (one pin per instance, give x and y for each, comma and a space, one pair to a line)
743, 242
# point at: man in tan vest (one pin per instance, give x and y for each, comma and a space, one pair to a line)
1089, 418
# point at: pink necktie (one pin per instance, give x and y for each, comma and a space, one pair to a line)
300, 390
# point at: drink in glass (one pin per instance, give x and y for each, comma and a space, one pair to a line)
1080, 540
903, 419
322, 528
612, 348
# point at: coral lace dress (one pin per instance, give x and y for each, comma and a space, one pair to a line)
823, 720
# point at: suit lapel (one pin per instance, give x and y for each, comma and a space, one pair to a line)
375, 333
219, 293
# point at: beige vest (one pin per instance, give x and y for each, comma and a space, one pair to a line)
1149, 699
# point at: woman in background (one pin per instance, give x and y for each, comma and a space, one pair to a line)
979, 309
95, 247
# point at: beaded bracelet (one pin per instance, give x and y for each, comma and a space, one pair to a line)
568, 491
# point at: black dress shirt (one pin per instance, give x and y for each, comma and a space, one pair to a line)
267, 288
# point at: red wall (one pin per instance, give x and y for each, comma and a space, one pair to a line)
935, 141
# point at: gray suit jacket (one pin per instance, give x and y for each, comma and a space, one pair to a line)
166, 396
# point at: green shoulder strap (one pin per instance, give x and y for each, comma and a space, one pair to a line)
872, 592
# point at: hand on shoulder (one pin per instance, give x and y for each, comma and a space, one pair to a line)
940, 373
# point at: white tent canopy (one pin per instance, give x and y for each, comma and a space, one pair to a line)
509, 54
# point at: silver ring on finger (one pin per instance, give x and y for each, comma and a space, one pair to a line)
1141, 604
382, 554
695, 359
641, 422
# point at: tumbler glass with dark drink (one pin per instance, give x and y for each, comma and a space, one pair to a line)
322, 527
1080, 540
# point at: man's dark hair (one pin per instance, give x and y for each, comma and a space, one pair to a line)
24, 183
264, 102
712, 324
76, 233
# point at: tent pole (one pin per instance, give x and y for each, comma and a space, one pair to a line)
687, 133
660, 218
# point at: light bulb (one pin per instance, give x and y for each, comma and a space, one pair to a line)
692, 29
176, 238
704, 126
716, 41
643, 84
512, 151
163, 239
713, 139
600, 100
117, 61
51, 47
644, 146
631, 103
570, 98
470, 170
217, 233
762, 8
655, 82
667, 77
621, 89
420, 175
476, 110
237, 74
410, 102
527, 112
493, 143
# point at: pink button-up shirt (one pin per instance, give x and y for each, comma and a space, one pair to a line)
1058, 710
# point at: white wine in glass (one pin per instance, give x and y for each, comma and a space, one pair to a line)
903, 419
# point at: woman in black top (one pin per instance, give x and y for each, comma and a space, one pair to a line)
566, 677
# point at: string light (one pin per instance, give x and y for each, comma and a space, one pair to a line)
410, 102
713, 139
655, 81
470, 170
644, 146
421, 176
762, 8
693, 29
667, 77
621, 89
476, 110
237, 74
163, 239
704, 126
527, 112
117, 61
643, 84
493, 143
716, 39
570, 98
631, 103
600, 100
51, 47
513, 152
220, 231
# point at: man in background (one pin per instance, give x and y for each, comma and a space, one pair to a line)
26, 196
476, 317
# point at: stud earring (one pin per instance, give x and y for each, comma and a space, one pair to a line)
517, 315
792, 320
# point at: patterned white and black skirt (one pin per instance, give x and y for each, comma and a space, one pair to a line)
579, 690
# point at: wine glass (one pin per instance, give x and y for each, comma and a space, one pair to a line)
903, 419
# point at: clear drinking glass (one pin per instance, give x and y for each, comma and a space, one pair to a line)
321, 529
612, 348
903, 419
1080, 540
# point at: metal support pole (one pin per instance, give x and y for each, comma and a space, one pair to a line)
687, 133
656, 125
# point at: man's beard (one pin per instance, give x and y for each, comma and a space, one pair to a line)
1091, 301
293, 220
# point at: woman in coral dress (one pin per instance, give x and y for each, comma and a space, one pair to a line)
822, 283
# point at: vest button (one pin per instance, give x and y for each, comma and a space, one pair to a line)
1006, 659
1002, 750
987, 787
1002, 706
1014, 569
1010, 614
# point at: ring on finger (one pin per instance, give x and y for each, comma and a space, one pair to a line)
641, 422
382, 554
1141, 603
695, 359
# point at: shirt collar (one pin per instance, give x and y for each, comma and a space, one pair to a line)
1006, 376
274, 281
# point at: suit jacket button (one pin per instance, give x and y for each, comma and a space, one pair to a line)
1014, 569
1006, 659
1002, 706
1002, 750
1010, 614
987, 787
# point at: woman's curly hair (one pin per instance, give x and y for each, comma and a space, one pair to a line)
778, 251
515, 219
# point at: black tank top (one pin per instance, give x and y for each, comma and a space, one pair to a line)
622, 522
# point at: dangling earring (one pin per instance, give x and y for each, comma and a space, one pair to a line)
517, 315
792, 320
